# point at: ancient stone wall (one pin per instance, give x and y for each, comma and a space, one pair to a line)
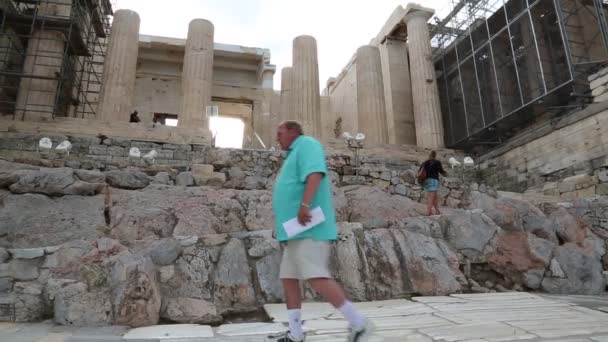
567, 157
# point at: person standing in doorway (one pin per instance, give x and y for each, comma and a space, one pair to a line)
302, 185
433, 168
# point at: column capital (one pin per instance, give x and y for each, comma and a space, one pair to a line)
417, 11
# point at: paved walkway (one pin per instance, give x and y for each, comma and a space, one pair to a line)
463, 317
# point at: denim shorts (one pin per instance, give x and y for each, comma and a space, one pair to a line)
431, 185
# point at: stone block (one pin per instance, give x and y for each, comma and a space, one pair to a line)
165, 154
600, 81
4, 256
202, 173
184, 179
599, 90
601, 98
22, 269
181, 155
117, 151
601, 189
602, 176
26, 253
98, 149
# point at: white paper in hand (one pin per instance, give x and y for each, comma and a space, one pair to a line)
293, 227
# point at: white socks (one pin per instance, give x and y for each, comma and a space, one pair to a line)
295, 323
354, 318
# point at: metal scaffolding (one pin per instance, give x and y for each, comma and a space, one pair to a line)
51, 57
502, 64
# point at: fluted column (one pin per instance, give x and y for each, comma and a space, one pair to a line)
370, 95
306, 97
118, 82
286, 93
197, 75
427, 111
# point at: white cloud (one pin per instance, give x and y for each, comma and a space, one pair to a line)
340, 26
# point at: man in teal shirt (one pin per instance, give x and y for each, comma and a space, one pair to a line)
302, 185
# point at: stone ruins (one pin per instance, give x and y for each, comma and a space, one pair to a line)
123, 223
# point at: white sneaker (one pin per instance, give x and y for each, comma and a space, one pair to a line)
363, 334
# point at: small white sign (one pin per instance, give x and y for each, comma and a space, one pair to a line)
293, 227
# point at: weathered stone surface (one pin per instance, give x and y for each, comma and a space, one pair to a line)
6, 284
384, 265
165, 251
7, 179
350, 268
52, 182
127, 179
135, 297
162, 178
582, 268
26, 253
184, 179
75, 306
133, 223
81, 188
166, 273
68, 257
4, 256
387, 208
23, 269
190, 310
432, 270
90, 176
193, 271
422, 225
233, 290
29, 304
519, 252
202, 173
470, 233
568, 227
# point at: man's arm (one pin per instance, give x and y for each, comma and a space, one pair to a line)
312, 184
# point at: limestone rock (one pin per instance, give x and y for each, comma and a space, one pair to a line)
387, 208
4, 256
26, 253
233, 290
7, 179
81, 188
385, 273
568, 227
75, 306
582, 268
428, 265
423, 225
90, 176
23, 269
135, 297
52, 182
267, 271
202, 173
127, 179
6, 284
33, 220
470, 233
166, 273
351, 269
162, 178
165, 251
259, 214
133, 223
29, 303
184, 179
190, 310
193, 272
519, 252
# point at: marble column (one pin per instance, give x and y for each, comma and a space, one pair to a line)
286, 84
425, 94
118, 82
197, 75
398, 92
306, 97
371, 107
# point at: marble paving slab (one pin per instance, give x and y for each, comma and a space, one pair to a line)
493, 331
243, 329
278, 312
170, 331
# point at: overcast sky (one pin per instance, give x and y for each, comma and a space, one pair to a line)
340, 26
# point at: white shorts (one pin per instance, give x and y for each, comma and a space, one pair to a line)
305, 259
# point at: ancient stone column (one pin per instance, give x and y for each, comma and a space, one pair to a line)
197, 75
286, 84
118, 82
370, 95
398, 92
306, 97
42, 65
425, 94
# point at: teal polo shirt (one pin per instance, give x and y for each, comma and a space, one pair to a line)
305, 156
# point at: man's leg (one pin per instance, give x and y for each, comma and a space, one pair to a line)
333, 293
293, 299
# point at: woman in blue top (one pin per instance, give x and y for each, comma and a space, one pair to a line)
433, 168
